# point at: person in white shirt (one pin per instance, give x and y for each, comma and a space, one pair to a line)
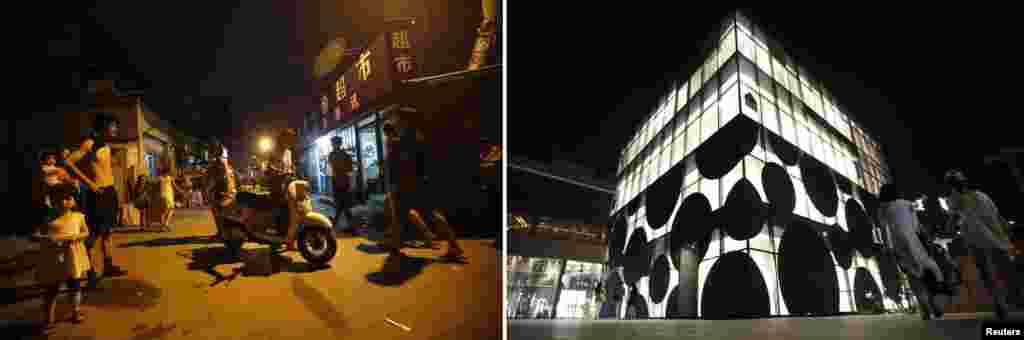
897, 213
984, 231
64, 258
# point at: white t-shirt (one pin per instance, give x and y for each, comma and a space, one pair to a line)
900, 218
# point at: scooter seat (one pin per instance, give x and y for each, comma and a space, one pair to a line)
256, 201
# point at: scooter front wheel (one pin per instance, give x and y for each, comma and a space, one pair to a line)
317, 245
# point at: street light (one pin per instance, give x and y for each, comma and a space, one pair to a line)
265, 144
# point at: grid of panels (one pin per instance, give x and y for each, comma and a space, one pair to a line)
789, 103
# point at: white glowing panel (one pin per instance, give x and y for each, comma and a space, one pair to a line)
709, 187
761, 241
753, 169
715, 247
731, 244
702, 274
766, 265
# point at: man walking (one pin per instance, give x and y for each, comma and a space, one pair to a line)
342, 166
985, 233
410, 188
98, 175
220, 186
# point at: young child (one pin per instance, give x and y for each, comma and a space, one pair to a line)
65, 259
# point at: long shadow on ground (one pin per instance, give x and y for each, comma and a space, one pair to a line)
163, 242
257, 262
398, 269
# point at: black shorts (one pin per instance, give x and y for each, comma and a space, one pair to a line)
343, 199
101, 213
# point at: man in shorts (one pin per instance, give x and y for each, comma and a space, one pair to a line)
98, 176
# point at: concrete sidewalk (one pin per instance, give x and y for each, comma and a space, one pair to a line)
889, 326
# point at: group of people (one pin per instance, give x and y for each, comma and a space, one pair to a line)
161, 195
984, 231
80, 207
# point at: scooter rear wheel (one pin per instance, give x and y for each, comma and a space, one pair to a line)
317, 245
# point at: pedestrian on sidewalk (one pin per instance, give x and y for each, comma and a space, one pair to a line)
167, 191
341, 167
64, 258
102, 198
985, 233
410, 187
897, 214
220, 186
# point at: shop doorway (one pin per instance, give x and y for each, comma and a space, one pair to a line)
370, 161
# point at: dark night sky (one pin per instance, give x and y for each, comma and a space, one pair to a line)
926, 82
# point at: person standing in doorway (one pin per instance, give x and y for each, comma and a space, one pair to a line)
985, 232
98, 176
342, 166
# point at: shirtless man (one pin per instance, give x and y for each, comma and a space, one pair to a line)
97, 174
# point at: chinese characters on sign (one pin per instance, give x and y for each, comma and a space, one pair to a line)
400, 51
400, 40
339, 88
364, 65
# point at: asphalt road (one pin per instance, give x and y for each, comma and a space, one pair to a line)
180, 286
889, 326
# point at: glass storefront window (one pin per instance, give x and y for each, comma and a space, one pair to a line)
579, 283
532, 287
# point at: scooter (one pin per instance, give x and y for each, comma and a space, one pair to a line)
257, 217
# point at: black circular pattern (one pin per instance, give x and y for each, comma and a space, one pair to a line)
661, 196
867, 295
675, 309
693, 221
806, 273
820, 186
787, 153
860, 227
844, 184
743, 214
638, 257
890, 276
618, 240
735, 288
659, 279
778, 186
840, 241
726, 147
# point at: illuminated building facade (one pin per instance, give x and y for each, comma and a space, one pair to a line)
748, 182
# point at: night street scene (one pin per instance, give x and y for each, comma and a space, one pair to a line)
259, 170
767, 173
